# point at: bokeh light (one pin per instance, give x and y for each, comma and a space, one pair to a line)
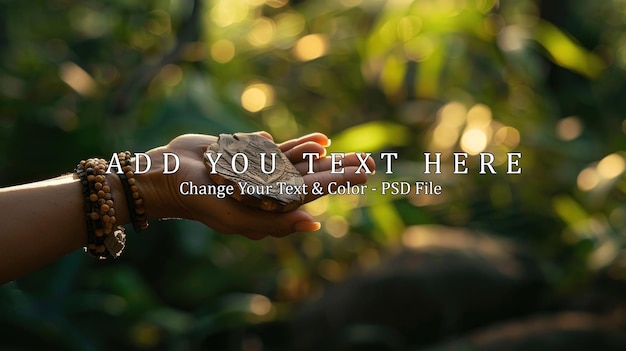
78, 79
276, 3
260, 305
474, 141
611, 166
513, 38
588, 179
223, 50
507, 136
331, 270
225, 13
479, 116
337, 226
311, 47
160, 22
257, 96
262, 32
569, 128
288, 25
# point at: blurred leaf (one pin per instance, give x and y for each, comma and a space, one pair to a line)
569, 210
387, 219
566, 52
370, 137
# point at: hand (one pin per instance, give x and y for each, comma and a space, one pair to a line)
162, 197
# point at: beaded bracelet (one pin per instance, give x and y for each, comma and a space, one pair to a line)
133, 198
103, 239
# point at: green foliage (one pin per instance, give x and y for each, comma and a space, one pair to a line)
85, 78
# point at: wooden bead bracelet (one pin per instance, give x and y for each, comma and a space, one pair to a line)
104, 239
134, 200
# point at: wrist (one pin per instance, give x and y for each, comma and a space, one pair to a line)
157, 189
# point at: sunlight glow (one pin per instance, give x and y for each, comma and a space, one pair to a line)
262, 32
587, 179
479, 116
474, 141
260, 305
337, 226
507, 136
78, 79
569, 128
225, 13
223, 51
453, 114
611, 166
311, 47
257, 96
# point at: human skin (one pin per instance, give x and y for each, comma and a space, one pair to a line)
45, 220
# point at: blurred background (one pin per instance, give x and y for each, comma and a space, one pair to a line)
530, 261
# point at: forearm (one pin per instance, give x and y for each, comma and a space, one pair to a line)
45, 220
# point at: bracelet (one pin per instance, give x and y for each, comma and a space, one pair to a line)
103, 239
134, 200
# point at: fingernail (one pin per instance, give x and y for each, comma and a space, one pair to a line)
328, 143
307, 226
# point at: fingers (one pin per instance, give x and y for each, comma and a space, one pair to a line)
282, 224
317, 138
265, 135
295, 154
326, 163
294, 148
330, 181
192, 142
232, 217
279, 225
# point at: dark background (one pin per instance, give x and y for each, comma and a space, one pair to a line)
530, 261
